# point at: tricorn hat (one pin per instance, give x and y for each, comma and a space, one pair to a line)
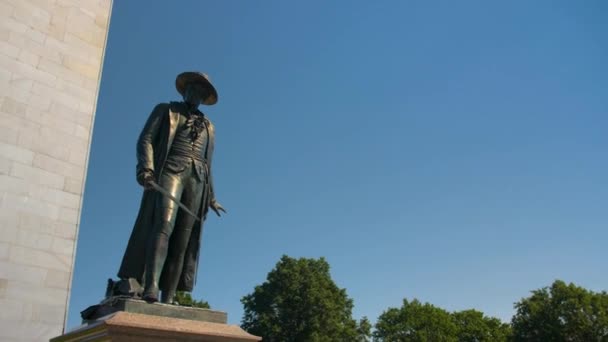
189, 77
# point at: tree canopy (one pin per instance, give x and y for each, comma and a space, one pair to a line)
300, 302
474, 326
417, 322
562, 312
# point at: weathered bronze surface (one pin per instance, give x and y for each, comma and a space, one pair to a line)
174, 151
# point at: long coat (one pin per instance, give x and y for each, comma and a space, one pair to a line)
153, 145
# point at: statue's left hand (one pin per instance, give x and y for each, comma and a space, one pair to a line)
217, 207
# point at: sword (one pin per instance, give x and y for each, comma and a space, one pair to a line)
171, 197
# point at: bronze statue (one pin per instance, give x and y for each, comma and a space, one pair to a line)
174, 153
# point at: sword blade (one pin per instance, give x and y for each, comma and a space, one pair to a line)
171, 197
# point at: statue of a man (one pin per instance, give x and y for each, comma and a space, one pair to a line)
174, 152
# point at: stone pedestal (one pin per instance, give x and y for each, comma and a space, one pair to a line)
115, 304
135, 327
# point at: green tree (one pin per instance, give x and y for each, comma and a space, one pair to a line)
415, 322
473, 326
185, 299
562, 312
364, 330
299, 302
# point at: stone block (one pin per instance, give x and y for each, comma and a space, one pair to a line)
40, 102
9, 221
23, 70
70, 171
65, 230
9, 50
28, 57
4, 32
44, 259
36, 222
16, 123
26, 330
5, 77
28, 205
26, 274
4, 251
53, 314
69, 215
82, 67
61, 71
44, 145
57, 30
6, 10
78, 155
5, 166
71, 111
38, 176
13, 24
58, 94
8, 135
126, 326
63, 246
61, 198
82, 132
78, 91
35, 35
3, 287
34, 239
37, 294
14, 186
21, 83
86, 107
72, 46
40, 49
11, 106
57, 279
12, 309
16, 153
19, 94
31, 15
101, 20
60, 137
91, 84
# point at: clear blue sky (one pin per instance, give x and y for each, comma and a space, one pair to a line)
454, 152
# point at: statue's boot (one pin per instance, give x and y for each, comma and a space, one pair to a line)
155, 260
151, 290
174, 264
168, 297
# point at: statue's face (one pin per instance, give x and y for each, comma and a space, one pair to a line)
196, 94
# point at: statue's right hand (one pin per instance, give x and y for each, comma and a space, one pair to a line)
144, 178
147, 181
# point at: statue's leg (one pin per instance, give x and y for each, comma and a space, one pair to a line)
191, 197
156, 252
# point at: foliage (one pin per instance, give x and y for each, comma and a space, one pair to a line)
419, 322
364, 330
300, 302
185, 299
473, 326
562, 313
415, 322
